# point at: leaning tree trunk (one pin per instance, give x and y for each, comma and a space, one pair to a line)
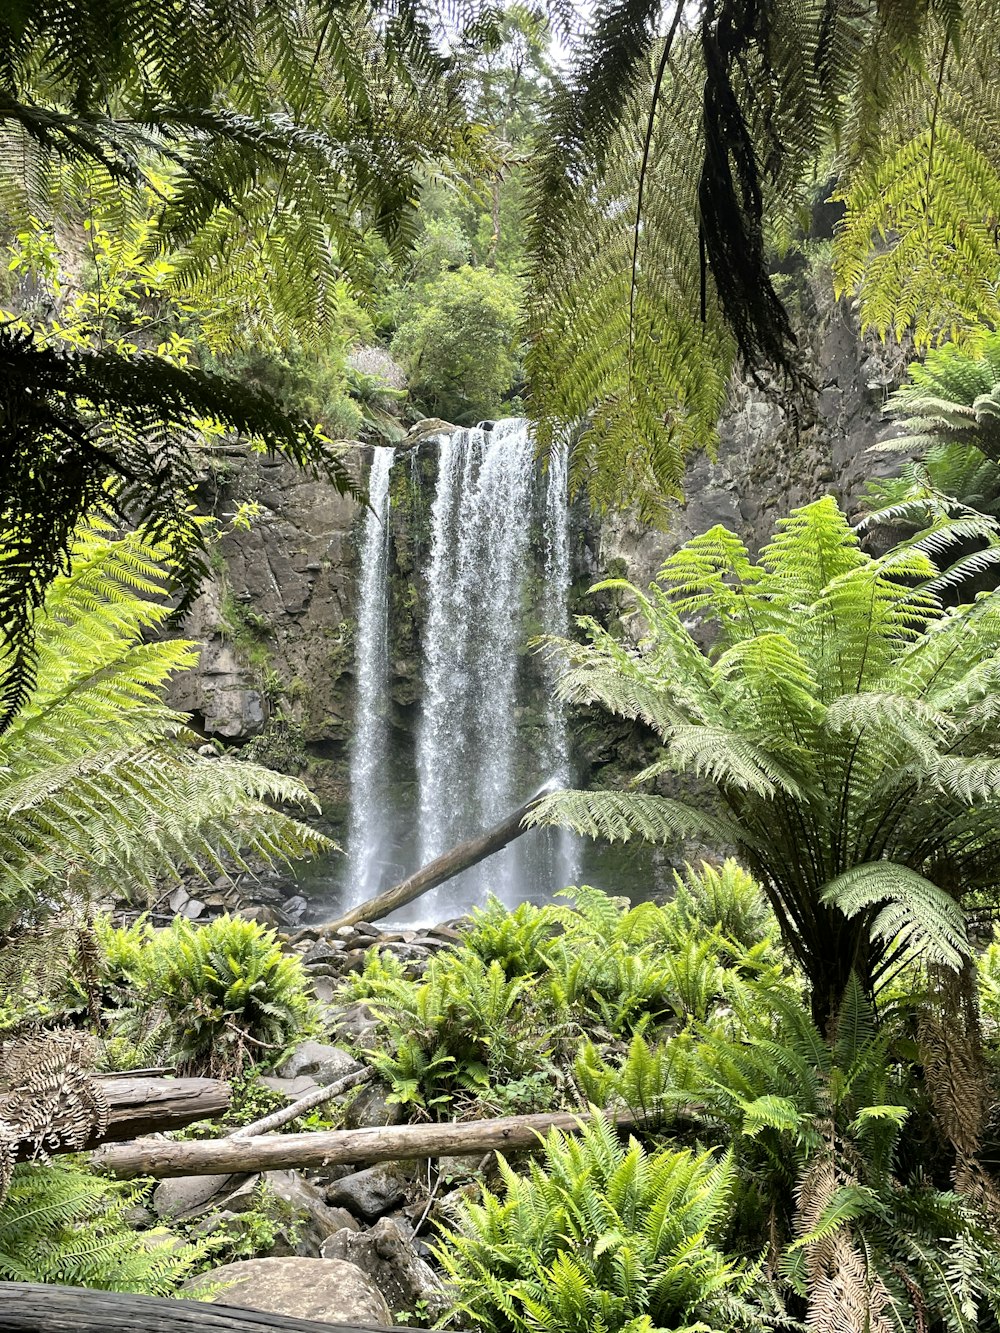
442, 868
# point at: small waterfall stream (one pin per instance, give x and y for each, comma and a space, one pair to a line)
489, 730
371, 724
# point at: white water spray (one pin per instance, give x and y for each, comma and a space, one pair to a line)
370, 742
490, 731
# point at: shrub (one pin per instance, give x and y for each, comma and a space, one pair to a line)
514, 939
60, 1223
463, 1028
517, 993
727, 899
231, 994
216, 998
601, 1236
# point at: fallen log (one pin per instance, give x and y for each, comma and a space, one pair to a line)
311, 1099
138, 1106
154, 1105
338, 1147
27, 1307
442, 868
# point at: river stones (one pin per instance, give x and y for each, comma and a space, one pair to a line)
329, 1290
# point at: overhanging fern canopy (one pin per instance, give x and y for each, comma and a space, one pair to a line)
681, 159
279, 137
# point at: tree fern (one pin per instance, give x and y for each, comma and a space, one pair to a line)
841, 718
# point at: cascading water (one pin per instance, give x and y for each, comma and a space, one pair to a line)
555, 616
490, 731
370, 741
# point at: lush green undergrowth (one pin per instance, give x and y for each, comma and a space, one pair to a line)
533, 999
778, 1174
775, 1174
210, 999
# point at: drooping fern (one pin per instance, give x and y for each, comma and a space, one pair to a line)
102, 786
680, 161
60, 1223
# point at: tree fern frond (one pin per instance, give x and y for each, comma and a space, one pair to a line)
618, 817
99, 780
912, 908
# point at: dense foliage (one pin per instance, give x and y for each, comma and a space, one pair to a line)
209, 999
826, 1194
460, 348
686, 154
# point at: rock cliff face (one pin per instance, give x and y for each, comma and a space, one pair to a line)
278, 619
767, 463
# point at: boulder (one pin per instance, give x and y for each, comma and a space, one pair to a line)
354, 1023
370, 1109
300, 1216
386, 1254
259, 912
292, 1088
371, 1193
329, 1290
323, 954
294, 907
324, 1064
188, 1196
310, 1220
324, 988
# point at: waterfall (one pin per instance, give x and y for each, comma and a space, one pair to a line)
489, 732
555, 619
474, 761
370, 741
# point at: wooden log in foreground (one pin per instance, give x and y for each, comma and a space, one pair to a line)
339, 1147
442, 868
28, 1307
